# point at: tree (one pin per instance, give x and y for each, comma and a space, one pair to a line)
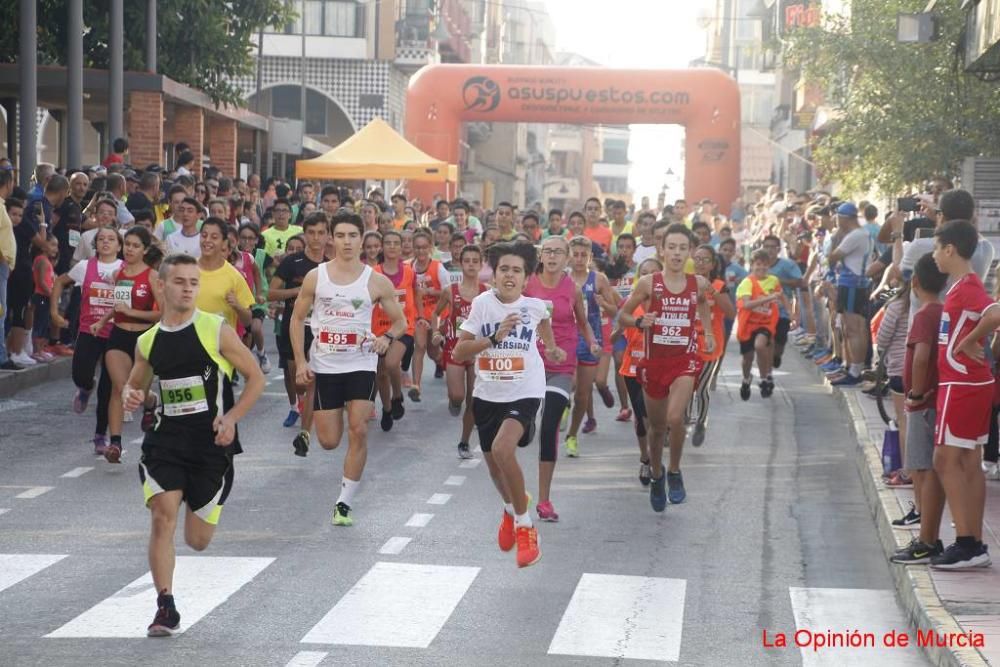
205, 44
904, 111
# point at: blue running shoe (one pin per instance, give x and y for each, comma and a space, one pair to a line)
820, 353
847, 381
831, 365
290, 420
657, 492
676, 483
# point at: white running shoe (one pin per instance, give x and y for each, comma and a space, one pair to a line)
265, 363
991, 470
23, 359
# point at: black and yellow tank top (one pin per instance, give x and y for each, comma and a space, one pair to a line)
195, 384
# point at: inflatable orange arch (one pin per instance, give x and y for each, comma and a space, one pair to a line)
706, 101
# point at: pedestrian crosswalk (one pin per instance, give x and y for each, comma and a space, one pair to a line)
206, 582
408, 605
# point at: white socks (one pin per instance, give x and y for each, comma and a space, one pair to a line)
348, 487
854, 370
523, 520
508, 508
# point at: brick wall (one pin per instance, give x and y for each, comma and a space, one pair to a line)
189, 127
223, 134
145, 128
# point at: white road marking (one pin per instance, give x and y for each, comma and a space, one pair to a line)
616, 616
34, 492
838, 610
395, 604
394, 546
137, 441
419, 520
17, 567
455, 480
439, 499
275, 394
469, 463
76, 472
11, 404
307, 659
4, 510
206, 582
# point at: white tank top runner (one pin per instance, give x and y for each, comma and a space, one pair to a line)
341, 325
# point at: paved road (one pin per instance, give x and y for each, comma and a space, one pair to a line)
774, 534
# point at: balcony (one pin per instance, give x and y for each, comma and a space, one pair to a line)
411, 55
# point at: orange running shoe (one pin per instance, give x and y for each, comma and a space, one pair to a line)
527, 546
505, 537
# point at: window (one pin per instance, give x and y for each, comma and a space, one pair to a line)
331, 18
286, 102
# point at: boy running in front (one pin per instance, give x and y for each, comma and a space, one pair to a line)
500, 334
672, 299
187, 456
965, 394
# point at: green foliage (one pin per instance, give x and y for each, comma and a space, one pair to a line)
201, 43
905, 111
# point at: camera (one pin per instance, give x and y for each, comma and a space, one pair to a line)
908, 204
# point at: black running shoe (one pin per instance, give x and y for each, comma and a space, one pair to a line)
777, 361
438, 372
397, 409
912, 518
766, 388
454, 408
645, 473
463, 451
698, 437
386, 422
167, 620
301, 443
957, 557
917, 552
745, 390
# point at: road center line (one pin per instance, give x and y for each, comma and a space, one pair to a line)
307, 659
394, 545
419, 520
455, 480
34, 492
469, 463
4, 510
439, 499
76, 472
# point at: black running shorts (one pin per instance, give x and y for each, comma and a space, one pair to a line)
205, 483
490, 416
284, 345
746, 346
333, 390
123, 340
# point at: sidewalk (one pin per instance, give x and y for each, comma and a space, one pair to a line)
947, 602
13, 382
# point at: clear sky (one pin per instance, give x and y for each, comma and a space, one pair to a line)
637, 33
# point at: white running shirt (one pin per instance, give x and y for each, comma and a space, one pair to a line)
513, 369
341, 324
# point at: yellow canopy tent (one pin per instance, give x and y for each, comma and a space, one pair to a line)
376, 153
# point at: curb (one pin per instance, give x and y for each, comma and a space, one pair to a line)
14, 382
914, 587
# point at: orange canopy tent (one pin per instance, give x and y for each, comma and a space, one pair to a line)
376, 153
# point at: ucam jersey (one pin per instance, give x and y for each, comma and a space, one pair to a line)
672, 334
964, 306
514, 368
